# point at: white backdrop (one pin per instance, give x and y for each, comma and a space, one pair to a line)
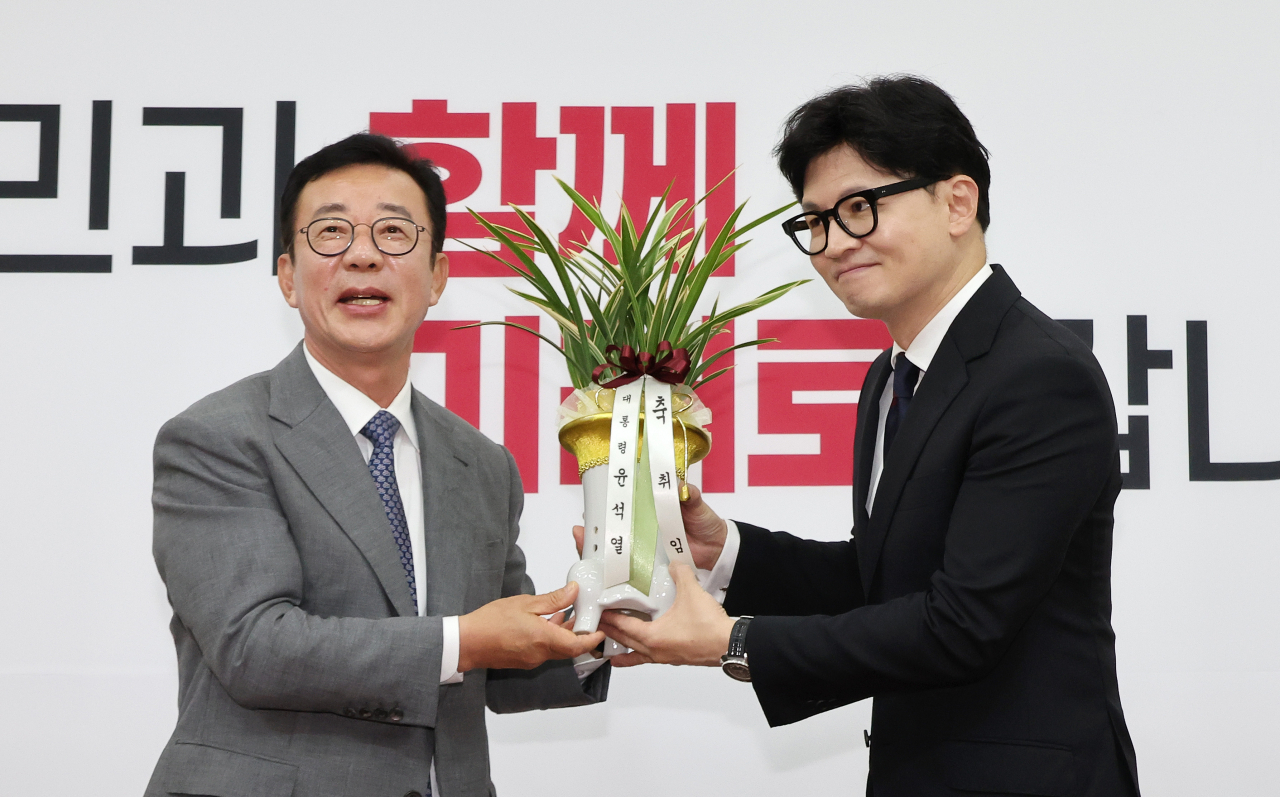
1134, 158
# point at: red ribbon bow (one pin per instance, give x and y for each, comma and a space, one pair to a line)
668, 365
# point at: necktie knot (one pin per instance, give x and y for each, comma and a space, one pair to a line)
905, 376
381, 429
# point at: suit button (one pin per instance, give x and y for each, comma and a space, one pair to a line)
396, 715
380, 713
365, 713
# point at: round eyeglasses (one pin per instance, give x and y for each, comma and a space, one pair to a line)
394, 235
856, 214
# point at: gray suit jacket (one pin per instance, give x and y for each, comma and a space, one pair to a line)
303, 669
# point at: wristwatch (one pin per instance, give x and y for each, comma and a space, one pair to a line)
734, 663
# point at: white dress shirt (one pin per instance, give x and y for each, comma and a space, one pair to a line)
925, 345
356, 410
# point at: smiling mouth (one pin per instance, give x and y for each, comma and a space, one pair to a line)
851, 269
364, 299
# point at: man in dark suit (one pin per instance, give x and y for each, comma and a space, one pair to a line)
974, 600
340, 551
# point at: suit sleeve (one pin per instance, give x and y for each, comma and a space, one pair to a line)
235, 580
553, 684
780, 574
1043, 452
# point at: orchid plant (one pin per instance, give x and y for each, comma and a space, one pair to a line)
634, 312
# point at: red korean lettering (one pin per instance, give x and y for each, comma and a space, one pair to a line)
586, 125
642, 179
782, 383
721, 160
520, 398
461, 349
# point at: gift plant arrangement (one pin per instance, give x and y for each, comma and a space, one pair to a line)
635, 340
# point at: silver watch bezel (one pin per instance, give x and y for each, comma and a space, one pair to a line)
735, 667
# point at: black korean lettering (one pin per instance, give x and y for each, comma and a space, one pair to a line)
1080, 327
1137, 441
100, 166
1142, 360
45, 186
286, 138
174, 252
1202, 468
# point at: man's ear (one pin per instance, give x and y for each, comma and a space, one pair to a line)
439, 276
962, 204
284, 276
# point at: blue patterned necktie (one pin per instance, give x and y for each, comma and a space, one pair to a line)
381, 431
905, 376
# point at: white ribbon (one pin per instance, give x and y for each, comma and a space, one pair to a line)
620, 492
659, 437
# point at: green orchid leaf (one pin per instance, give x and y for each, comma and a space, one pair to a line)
641, 288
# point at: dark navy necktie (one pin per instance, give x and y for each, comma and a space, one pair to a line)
381, 431
905, 376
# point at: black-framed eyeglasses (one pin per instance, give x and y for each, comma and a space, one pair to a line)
856, 214
331, 236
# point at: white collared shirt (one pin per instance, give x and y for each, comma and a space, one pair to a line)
921, 352
356, 410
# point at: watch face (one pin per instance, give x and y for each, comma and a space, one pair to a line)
737, 670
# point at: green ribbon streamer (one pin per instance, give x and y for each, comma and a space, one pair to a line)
644, 526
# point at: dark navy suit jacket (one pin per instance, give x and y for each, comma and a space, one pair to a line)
974, 601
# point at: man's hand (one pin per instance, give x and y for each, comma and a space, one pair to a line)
705, 529
695, 630
512, 633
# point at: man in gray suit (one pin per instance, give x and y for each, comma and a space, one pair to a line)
339, 551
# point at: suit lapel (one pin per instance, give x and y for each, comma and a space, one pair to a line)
969, 337
444, 487
320, 447
942, 383
864, 444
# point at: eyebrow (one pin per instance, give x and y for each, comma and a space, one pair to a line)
338, 207
812, 206
332, 207
401, 209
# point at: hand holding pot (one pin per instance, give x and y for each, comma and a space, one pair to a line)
511, 632
695, 630
705, 529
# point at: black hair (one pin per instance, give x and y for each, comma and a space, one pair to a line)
357, 149
901, 124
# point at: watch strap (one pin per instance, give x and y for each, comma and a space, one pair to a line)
738, 639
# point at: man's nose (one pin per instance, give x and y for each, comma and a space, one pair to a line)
839, 241
362, 255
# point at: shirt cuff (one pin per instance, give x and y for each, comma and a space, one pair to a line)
586, 664
449, 652
716, 580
